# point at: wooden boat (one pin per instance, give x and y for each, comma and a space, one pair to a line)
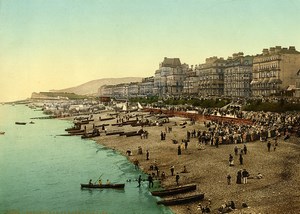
73, 128
128, 133
108, 118
81, 122
20, 123
91, 135
133, 134
72, 134
115, 133
176, 190
76, 131
97, 186
137, 133
182, 200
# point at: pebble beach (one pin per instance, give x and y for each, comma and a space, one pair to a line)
207, 166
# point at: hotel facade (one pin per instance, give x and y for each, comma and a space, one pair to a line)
274, 72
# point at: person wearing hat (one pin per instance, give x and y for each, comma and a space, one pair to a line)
177, 179
245, 175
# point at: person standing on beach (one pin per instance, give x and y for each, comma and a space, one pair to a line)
239, 177
179, 150
217, 142
139, 180
236, 150
177, 179
147, 155
245, 149
186, 144
230, 160
150, 180
245, 176
241, 159
228, 179
269, 146
163, 175
172, 170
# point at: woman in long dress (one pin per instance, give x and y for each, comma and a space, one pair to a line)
239, 177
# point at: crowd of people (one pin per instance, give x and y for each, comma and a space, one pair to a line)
266, 127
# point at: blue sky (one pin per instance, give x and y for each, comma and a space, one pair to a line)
54, 44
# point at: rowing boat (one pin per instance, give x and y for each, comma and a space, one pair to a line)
176, 190
183, 200
97, 186
76, 131
91, 135
20, 123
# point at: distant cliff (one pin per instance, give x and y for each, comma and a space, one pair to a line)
91, 87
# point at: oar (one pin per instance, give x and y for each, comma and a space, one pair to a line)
98, 178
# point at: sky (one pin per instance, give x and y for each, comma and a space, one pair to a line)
56, 44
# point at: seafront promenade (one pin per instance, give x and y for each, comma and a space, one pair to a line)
207, 162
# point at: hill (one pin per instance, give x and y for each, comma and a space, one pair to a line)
91, 87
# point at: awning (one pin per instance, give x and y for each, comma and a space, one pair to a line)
266, 80
259, 81
275, 80
291, 87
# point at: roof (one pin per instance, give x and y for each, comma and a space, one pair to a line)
171, 62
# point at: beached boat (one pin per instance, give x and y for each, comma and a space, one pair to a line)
76, 131
97, 186
133, 134
108, 118
81, 122
90, 135
73, 128
20, 123
128, 133
183, 200
115, 133
176, 190
137, 133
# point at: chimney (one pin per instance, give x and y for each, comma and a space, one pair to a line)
277, 49
265, 51
235, 55
292, 48
272, 50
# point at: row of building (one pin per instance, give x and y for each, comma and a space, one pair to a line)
276, 71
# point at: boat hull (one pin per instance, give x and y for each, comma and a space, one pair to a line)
175, 190
20, 123
90, 136
182, 200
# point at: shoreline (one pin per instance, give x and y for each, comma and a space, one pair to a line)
208, 168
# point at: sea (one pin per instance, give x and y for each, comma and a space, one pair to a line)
41, 172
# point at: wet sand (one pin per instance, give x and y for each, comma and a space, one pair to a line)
277, 192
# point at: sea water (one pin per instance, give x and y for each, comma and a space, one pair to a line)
41, 172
